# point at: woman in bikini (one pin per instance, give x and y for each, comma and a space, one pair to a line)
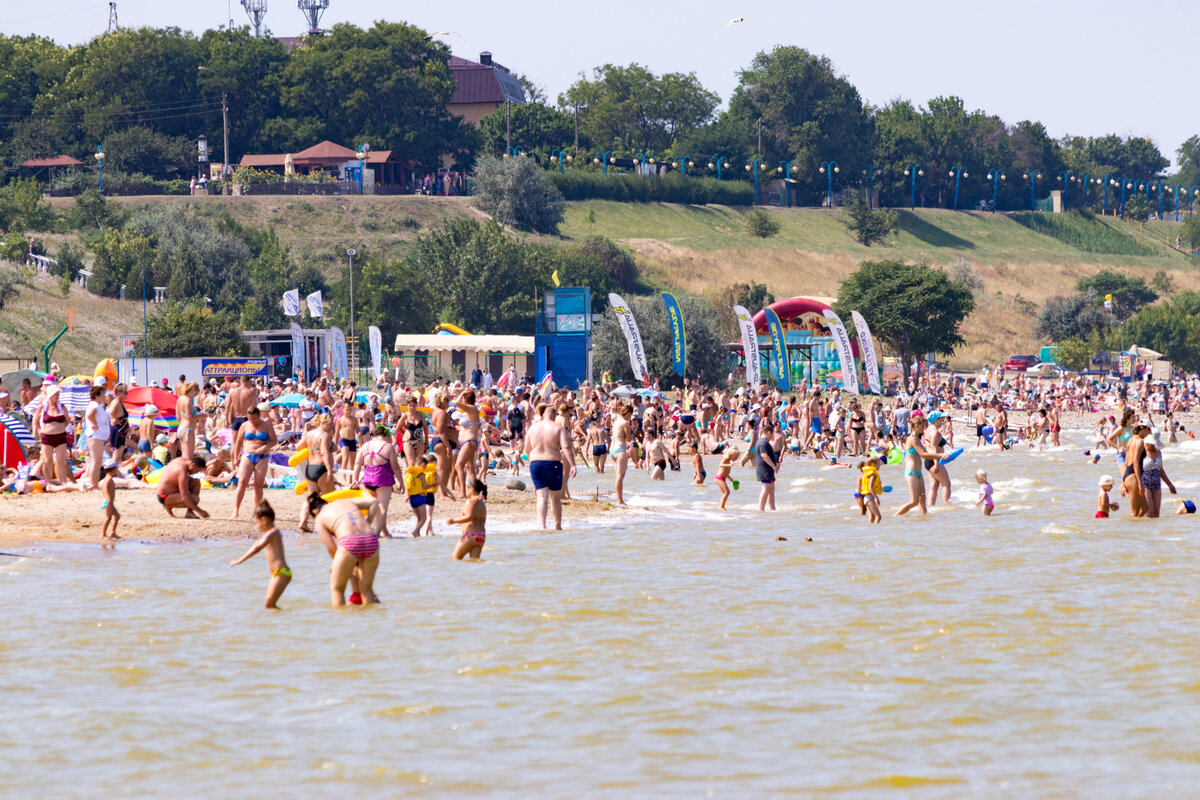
913, 453
621, 442
473, 521
1131, 481
351, 541
318, 472
444, 442
377, 468
50, 422
938, 473
255, 439
185, 412
118, 422
468, 442
413, 437
858, 430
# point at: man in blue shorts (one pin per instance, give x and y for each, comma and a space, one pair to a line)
548, 445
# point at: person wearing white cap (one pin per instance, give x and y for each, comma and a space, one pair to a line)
1103, 504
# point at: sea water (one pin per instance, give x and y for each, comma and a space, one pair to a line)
661, 652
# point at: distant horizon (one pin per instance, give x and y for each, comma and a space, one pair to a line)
985, 55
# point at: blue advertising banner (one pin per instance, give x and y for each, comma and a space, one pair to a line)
779, 349
678, 334
236, 367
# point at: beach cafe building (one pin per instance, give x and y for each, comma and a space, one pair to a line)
380, 167
462, 354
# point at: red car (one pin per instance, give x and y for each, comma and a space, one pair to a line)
1021, 363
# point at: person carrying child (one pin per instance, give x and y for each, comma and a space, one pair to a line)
272, 542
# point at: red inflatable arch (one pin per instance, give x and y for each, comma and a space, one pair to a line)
804, 313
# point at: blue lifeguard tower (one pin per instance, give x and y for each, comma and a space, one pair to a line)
563, 337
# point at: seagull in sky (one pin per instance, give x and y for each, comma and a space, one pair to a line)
734, 21
442, 33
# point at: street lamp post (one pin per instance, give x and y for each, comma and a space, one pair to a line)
914, 170
786, 168
684, 163
514, 151
1065, 178
363, 149
645, 158
100, 166
754, 165
717, 161
828, 168
869, 173
562, 156
1085, 181
1125, 184
1105, 180
957, 173
603, 157
1033, 175
995, 176
145, 330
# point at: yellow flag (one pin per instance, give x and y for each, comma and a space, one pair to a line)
554, 275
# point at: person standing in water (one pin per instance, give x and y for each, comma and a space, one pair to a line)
914, 451
622, 439
549, 447
766, 465
351, 541
272, 542
473, 521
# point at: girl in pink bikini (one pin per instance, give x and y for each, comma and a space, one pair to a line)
473, 521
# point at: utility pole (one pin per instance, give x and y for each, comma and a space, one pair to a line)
227, 169
507, 125
577, 127
760, 136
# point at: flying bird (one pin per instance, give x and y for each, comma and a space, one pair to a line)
734, 21
442, 33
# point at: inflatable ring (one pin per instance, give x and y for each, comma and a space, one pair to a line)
348, 494
895, 456
299, 458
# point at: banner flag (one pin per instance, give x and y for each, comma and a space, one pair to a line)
376, 339
291, 303
314, 304
299, 361
845, 354
866, 348
637, 356
339, 360
749, 347
779, 347
678, 334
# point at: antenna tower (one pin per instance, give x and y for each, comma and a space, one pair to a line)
312, 11
113, 25
256, 10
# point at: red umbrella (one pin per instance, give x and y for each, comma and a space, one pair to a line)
140, 396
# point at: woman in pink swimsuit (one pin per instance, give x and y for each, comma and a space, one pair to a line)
377, 468
351, 540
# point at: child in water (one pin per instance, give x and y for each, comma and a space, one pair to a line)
723, 469
473, 521
1186, 507
1103, 506
985, 493
870, 487
272, 542
698, 473
108, 490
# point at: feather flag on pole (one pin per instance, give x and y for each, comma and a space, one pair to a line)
779, 348
637, 355
749, 347
678, 334
554, 277
845, 355
866, 349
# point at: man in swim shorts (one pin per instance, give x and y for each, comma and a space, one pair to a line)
178, 489
548, 445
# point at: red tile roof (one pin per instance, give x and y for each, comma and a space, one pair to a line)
325, 151
482, 83
53, 161
264, 160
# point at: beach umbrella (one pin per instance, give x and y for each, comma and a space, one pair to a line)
288, 400
11, 381
1144, 352
139, 397
15, 439
624, 392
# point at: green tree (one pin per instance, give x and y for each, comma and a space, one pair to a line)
808, 113
192, 258
912, 308
618, 263
139, 149
761, 224
1072, 317
751, 296
631, 107
517, 192
868, 226
250, 72
22, 207
189, 330
1172, 328
1128, 294
1189, 233
706, 353
1136, 208
116, 256
1075, 353
394, 296
1188, 158
536, 127
30, 66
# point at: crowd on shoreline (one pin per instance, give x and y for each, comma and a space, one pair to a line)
353, 450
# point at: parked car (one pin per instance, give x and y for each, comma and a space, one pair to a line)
1020, 363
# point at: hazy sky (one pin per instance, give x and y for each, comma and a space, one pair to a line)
1087, 68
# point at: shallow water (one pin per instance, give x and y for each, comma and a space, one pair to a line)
676, 652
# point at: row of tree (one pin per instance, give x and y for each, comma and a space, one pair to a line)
146, 94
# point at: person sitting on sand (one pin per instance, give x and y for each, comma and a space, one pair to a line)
272, 542
178, 489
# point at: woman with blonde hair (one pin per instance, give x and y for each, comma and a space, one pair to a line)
187, 412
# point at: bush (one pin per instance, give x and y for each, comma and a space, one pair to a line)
618, 264
868, 225
70, 261
177, 187
762, 224
1075, 317
671, 188
11, 280
515, 191
22, 208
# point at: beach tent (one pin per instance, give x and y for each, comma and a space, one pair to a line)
15, 440
1144, 353
75, 396
11, 381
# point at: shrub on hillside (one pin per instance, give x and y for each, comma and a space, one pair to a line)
1072, 317
1085, 233
672, 188
515, 191
762, 224
11, 280
618, 264
22, 207
868, 225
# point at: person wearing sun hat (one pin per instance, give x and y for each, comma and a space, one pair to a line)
1103, 504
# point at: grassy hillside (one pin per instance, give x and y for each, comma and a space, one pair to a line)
700, 249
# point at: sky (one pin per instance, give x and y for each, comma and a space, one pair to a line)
1081, 68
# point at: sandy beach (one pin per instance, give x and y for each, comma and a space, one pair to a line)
74, 517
